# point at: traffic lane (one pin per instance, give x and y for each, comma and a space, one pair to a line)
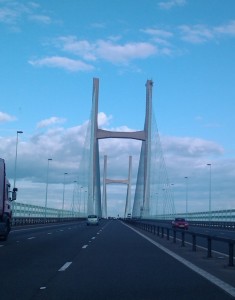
34, 229
120, 264
25, 262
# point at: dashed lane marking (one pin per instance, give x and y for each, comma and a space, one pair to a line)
31, 238
84, 247
65, 266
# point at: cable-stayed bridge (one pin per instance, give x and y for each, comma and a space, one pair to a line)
153, 195
152, 179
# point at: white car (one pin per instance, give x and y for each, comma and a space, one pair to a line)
92, 220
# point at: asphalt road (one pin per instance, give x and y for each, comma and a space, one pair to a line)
109, 261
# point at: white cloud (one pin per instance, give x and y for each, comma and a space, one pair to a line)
13, 12
50, 121
196, 34
4, 117
103, 119
81, 48
158, 32
114, 53
191, 147
62, 62
201, 33
170, 4
184, 156
41, 19
226, 29
106, 50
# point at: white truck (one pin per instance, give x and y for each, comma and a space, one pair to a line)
6, 196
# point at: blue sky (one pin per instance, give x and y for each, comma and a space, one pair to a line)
51, 50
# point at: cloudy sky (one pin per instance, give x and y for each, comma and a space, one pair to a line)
51, 50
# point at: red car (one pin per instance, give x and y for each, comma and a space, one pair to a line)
180, 223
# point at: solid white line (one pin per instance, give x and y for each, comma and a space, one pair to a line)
84, 247
65, 266
221, 284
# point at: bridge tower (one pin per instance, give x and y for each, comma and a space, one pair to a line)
142, 193
121, 181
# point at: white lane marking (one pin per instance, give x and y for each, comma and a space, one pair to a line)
65, 266
42, 287
84, 247
213, 279
1, 245
93, 238
49, 233
32, 237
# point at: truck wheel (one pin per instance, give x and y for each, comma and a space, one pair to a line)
7, 230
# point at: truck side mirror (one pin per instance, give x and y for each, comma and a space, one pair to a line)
13, 195
15, 189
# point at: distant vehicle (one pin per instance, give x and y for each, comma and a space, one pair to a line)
180, 223
92, 220
128, 216
6, 196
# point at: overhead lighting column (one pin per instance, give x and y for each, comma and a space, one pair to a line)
17, 133
49, 159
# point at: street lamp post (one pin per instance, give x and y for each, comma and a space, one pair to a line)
73, 197
173, 198
209, 193
48, 160
17, 133
80, 199
63, 196
157, 204
186, 195
85, 201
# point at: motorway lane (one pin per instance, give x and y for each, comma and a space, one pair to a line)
118, 264
32, 256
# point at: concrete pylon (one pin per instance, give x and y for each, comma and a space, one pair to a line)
117, 181
141, 200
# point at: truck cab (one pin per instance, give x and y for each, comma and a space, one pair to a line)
6, 196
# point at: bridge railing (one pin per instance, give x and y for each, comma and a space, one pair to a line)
26, 214
21, 221
28, 210
163, 231
227, 215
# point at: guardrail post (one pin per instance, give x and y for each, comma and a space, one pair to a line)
174, 236
162, 232
209, 247
154, 229
167, 234
182, 240
231, 246
158, 230
194, 242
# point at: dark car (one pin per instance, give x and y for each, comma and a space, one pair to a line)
180, 223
